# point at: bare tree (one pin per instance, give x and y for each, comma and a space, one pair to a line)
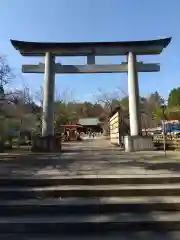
5, 76
5, 72
39, 95
25, 108
64, 96
108, 100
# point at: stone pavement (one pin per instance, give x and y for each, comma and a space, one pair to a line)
89, 157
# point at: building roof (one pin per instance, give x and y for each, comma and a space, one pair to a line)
88, 48
71, 126
89, 121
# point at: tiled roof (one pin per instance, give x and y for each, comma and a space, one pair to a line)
89, 121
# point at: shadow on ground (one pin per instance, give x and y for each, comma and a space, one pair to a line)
86, 157
171, 165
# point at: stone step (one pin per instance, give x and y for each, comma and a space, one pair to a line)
91, 224
34, 207
90, 191
42, 181
139, 235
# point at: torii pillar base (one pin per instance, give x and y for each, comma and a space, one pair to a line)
46, 144
138, 143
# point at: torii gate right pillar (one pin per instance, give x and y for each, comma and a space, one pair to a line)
133, 90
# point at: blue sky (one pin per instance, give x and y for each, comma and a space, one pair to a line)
93, 20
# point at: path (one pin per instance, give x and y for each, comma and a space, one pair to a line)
89, 157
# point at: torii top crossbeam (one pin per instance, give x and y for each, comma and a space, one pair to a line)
91, 48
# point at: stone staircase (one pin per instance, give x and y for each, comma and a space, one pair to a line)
90, 207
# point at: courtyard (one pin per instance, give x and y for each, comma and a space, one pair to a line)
95, 157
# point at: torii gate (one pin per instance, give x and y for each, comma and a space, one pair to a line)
90, 49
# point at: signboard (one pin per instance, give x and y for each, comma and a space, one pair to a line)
114, 129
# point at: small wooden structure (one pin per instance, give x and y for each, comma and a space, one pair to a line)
73, 130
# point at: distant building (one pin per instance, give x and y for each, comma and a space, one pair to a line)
92, 124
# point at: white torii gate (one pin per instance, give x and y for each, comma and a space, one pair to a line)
50, 68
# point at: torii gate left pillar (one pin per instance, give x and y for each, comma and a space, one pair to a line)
48, 100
